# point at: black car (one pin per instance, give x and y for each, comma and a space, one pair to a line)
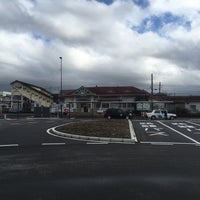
117, 114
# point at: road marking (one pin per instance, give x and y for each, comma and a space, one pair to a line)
9, 145
153, 133
15, 123
132, 131
52, 144
152, 126
97, 143
162, 143
179, 132
169, 143
33, 122
192, 123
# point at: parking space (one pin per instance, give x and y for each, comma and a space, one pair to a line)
189, 128
167, 132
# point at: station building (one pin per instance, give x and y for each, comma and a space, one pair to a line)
26, 96
89, 99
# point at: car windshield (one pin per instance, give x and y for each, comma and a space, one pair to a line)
99, 99
157, 111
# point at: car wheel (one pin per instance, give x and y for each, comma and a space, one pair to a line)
171, 117
109, 117
153, 117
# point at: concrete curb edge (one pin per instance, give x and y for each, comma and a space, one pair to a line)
91, 138
132, 131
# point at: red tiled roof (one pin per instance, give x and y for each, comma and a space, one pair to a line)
116, 90
123, 90
68, 92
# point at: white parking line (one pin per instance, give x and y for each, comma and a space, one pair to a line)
52, 144
179, 133
9, 145
91, 143
192, 123
169, 143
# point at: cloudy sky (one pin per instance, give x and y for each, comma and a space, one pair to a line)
102, 42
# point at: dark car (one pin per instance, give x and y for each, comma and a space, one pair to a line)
117, 114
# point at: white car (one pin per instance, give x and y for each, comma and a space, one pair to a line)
100, 111
160, 114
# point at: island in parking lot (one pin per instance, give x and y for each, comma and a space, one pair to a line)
100, 128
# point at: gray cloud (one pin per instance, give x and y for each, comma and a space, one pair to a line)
98, 44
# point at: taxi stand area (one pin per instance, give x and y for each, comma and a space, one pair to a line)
167, 132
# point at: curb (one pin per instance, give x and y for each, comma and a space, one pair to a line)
132, 131
89, 138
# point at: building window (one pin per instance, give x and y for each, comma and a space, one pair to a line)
105, 105
193, 107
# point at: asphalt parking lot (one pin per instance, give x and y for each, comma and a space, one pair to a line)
163, 165
167, 132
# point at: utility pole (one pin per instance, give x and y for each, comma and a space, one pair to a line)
159, 87
61, 100
152, 85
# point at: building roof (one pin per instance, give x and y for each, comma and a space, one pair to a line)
34, 87
125, 90
119, 90
177, 99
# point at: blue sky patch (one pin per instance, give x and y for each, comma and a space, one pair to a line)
156, 23
39, 37
141, 3
107, 2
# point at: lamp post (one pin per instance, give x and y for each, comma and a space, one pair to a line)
61, 87
151, 91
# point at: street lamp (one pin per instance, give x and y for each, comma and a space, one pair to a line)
61, 87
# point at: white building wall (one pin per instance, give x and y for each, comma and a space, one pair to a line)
193, 106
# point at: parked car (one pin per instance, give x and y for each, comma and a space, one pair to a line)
117, 114
160, 114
